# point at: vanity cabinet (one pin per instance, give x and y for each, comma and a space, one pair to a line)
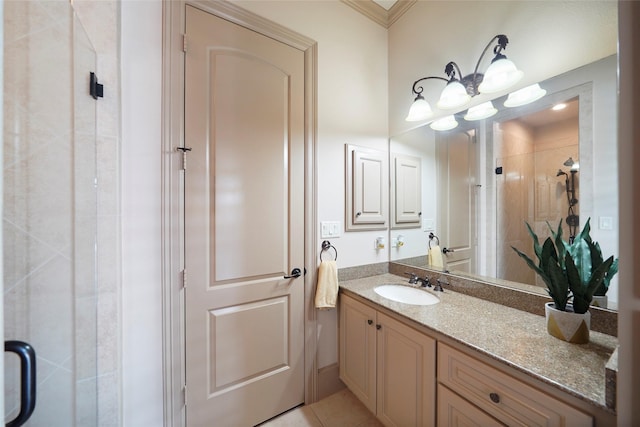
471, 392
389, 366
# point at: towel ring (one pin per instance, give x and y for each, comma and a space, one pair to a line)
431, 237
326, 245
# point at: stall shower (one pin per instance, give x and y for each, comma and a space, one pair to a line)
50, 210
532, 158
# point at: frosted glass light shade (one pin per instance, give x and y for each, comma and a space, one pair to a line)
445, 123
482, 111
420, 110
525, 96
500, 75
453, 95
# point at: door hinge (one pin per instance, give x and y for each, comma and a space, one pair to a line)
183, 285
184, 395
184, 150
184, 43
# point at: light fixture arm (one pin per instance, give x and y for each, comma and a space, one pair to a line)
418, 89
502, 44
450, 70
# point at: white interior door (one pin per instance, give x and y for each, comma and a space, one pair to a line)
244, 224
457, 216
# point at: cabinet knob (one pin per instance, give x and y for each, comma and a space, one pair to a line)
370, 322
495, 398
378, 326
358, 214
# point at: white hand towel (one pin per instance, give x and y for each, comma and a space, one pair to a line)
435, 257
327, 287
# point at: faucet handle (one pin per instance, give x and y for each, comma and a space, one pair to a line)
438, 286
413, 279
424, 282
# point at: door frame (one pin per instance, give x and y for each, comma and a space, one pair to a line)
173, 194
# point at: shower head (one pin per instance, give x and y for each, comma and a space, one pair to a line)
561, 172
569, 162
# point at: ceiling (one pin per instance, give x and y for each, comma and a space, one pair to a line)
549, 116
383, 12
386, 4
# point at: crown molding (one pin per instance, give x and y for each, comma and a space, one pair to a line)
379, 14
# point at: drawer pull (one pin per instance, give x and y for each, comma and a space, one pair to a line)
495, 398
370, 322
378, 327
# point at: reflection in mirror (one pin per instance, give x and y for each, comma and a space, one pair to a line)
480, 183
536, 181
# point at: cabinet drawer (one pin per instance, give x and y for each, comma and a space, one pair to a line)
454, 411
507, 399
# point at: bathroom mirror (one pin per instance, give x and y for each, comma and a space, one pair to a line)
483, 180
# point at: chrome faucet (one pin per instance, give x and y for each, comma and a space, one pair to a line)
413, 279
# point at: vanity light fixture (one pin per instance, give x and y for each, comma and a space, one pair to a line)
420, 109
500, 75
524, 96
445, 123
482, 111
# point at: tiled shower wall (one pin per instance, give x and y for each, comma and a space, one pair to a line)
50, 241
529, 188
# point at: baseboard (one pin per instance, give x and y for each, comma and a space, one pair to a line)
329, 381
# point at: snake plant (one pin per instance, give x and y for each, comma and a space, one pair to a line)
570, 270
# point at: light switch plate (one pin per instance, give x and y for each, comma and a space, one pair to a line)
329, 229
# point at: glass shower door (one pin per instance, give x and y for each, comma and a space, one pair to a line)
49, 215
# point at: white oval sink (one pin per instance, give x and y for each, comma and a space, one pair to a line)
407, 295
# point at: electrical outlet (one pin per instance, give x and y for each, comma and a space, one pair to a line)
428, 224
605, 223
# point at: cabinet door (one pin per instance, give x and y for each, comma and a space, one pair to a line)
358, 350
406, 191
454, 411
406, 375
367, 188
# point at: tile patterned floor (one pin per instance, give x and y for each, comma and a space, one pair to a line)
341, 409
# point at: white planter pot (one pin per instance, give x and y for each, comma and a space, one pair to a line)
599, 301
567, 325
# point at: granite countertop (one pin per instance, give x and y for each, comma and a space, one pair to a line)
513, 337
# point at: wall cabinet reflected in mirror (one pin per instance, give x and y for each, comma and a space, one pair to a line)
406, 191
483, 180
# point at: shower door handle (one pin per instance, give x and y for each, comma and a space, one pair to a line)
27, 356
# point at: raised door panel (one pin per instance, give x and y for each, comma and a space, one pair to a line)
406, 375
367, 188
406, 191
509, 400
358, 350
454, 411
